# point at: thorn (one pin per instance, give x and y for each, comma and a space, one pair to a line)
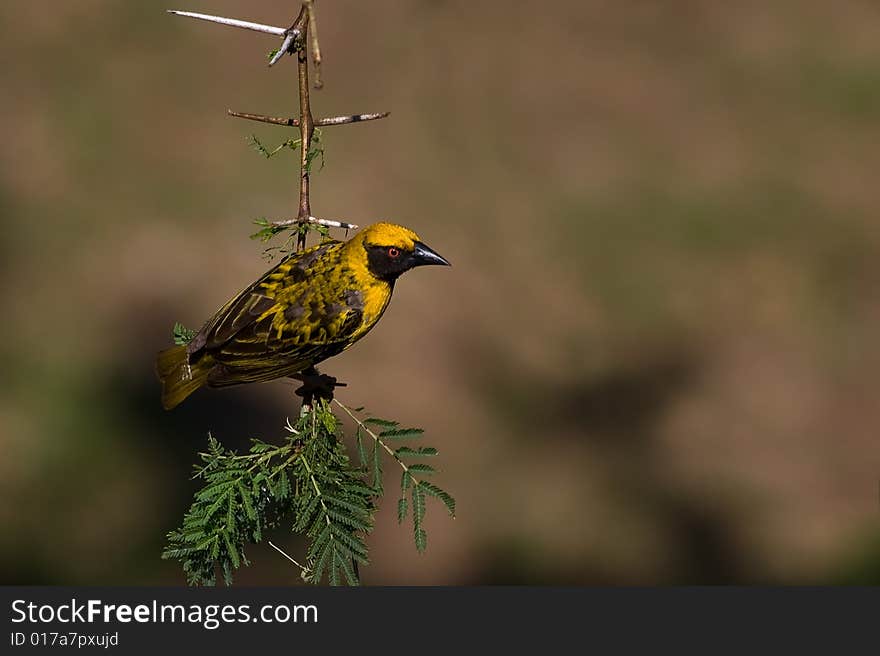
318, 122
233, 22
356, 118
329, 223
285, 46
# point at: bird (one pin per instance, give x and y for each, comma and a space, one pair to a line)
312, 305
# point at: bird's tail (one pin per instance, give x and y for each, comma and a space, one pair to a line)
179, 377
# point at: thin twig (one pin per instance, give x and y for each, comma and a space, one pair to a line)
282, 552
306, 125
316, 48
378, 440
318, 123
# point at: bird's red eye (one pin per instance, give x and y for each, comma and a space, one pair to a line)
393, 253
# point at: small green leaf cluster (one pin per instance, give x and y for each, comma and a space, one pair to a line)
181, 334
316, 148
269, 229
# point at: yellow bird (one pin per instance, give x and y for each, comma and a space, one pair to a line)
311, 306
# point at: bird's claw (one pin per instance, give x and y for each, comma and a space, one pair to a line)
316, 385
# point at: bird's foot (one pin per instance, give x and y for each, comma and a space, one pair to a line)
315, 385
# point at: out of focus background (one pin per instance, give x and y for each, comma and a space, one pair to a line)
654, 360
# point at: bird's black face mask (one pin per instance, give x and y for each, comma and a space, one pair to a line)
388, 262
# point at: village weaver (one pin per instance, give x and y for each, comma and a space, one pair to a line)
311, 306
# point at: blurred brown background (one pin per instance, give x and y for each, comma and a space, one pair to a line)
654, 360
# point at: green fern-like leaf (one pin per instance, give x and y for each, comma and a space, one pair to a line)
376, 421
401, 510
421, 468
434, 491
401, 433
418, 512
406, 451
377, 471
309, 477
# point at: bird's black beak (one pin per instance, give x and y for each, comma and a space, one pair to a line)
423, 255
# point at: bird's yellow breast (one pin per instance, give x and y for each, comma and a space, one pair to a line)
376, 298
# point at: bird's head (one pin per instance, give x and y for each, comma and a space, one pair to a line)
390, 250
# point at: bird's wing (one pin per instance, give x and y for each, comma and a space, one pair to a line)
246, 360
298, 311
